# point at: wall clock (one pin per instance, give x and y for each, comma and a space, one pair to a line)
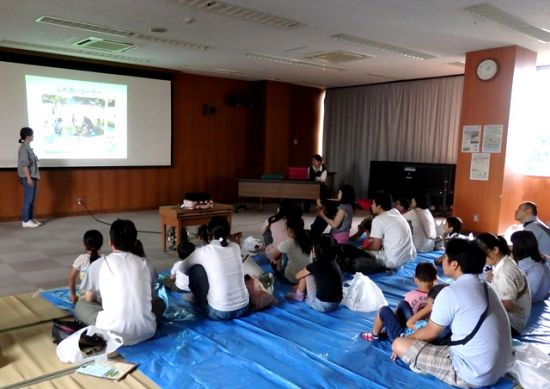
487, 69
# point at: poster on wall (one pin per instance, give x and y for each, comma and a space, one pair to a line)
479, 168
471, 135
492, 138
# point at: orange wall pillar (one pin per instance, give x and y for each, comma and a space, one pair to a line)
489, 205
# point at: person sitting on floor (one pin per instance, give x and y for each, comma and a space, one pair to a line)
293, 254
390, 240
275, 231
480, 351
321, 280
422, 224
508, 280
527, 214
340, 222
179, 281
394, 323
526, 252
124, 281
403, 205
451, 230
93, 240
216, 276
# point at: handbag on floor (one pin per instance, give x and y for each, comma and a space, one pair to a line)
62, 329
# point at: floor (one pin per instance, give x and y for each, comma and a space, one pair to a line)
40, 258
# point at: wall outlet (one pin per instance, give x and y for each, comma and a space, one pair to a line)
476, 218
79, 201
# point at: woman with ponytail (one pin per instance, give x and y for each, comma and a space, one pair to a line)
507, 279
216, 276
93, 240
293, 254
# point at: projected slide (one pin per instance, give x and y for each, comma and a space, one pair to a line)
75, 119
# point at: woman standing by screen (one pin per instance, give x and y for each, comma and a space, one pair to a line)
27, 170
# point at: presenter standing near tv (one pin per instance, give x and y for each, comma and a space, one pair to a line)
27, 170
317, 172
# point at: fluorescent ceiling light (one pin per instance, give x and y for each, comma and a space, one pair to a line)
235, 11
497, 15
289, 61
382, 46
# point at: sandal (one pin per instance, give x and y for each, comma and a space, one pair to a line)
368, 336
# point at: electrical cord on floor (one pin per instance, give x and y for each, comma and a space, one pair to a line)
82, 204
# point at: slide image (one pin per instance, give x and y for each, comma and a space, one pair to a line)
76, 119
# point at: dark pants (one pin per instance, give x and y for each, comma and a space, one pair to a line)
317, 228
198, 284
29, 195
352, 260
393, 327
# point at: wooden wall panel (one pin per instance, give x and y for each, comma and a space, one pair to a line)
489, 102
306, 104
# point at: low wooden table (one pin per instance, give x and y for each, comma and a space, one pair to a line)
173, 215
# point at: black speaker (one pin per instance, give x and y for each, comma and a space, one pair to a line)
433, 180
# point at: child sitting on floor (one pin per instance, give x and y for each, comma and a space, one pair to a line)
451, 230
322, 279
178, 280
420, 318
93, 240
414, 301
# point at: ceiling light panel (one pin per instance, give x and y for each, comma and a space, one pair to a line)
497, 15
172, 42
382, 46
289, 61
235, 11
83, 26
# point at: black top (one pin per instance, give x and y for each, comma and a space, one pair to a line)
328, 279
314, 174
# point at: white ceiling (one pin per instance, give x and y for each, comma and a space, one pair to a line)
440, 28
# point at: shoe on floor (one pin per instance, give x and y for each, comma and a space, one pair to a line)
368, 336
29, 224
36, 222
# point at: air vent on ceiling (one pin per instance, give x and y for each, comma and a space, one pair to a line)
497, 15
235, 11
290, 61
82, 26
337, 57
382, 46
104, 45
74, 51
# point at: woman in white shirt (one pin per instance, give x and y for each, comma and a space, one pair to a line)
508, 280
216, 275
422, 225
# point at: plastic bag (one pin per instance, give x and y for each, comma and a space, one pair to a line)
363, 295
259, 297
251, 244
68, 350
530, 366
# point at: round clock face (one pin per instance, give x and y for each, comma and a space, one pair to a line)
487, 69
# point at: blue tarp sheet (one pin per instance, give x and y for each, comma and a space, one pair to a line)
286, 346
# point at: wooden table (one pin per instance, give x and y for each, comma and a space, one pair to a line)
173, 215
279, 189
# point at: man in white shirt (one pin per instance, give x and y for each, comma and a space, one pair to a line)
125, 289
391, 238
527, 215
481, 343
391, 244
